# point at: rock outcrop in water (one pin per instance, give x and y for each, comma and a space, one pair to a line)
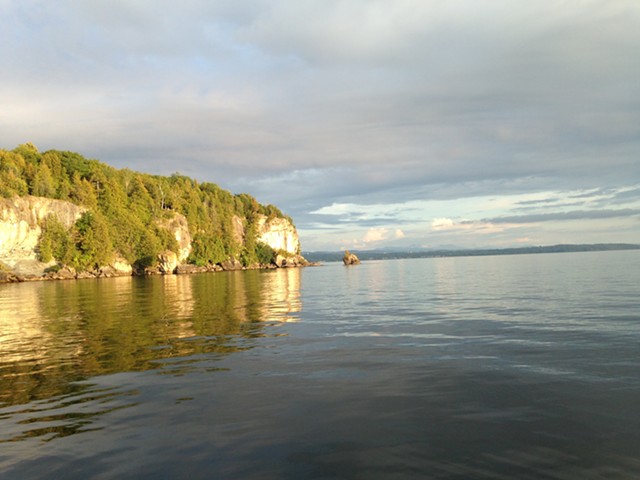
350, 258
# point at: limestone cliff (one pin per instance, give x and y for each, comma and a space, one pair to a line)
20, 230
21, 217
279, 234
179, 228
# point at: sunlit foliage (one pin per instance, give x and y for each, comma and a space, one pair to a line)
125, 209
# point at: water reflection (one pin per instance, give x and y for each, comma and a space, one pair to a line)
54, 334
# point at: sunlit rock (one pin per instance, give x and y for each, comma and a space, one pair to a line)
279, 234
167, 262
20, 219
350, 258
178, 226
231, 264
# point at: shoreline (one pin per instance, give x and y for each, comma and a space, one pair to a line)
66, 273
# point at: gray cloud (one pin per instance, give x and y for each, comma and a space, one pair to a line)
561, 216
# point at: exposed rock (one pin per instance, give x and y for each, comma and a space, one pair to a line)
237, 226
231, 264
153, 270
279, 234
19, 224
64, 273
30, 267
280, 261
8, 277
168, 262
350, 258
107, 272
297, 261
179, 228
83, 275
186, 268
20, 219
121, 267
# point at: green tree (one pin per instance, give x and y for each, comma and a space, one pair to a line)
206, 250
55, 241
12, 180
93, 246
125, 210
43, 183
82, 192
265, 254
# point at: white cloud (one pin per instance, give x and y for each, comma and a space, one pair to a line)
375, 235
442, 224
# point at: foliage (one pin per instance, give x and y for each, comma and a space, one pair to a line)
55, 241
126, 209
207, 250
92, 244
265, 253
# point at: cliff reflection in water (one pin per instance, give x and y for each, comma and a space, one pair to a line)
55, 333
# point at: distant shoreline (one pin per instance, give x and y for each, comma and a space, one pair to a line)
393, 255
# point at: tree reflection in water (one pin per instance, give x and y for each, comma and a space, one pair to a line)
53, 335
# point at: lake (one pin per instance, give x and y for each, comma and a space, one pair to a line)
496, 367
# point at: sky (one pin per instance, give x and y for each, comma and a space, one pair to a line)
372, 123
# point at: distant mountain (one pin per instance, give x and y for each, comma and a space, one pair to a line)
392, 253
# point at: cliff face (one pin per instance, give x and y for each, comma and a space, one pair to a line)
279, 234
179, 228
20, 229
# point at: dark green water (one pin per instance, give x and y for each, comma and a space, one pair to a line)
488, 367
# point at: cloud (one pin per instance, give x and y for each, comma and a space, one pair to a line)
442, 224
571, 215
375, 235
310, 104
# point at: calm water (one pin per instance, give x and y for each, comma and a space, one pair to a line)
492, 367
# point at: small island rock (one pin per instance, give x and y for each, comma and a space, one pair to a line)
350, 258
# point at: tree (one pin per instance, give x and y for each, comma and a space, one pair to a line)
93, 246
82, 192
54, 242
43, 184
126, 211
12, 181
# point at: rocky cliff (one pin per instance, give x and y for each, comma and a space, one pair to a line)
279, 234
20, 230
179, 228
20, 220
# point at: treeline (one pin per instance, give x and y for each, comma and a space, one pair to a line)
126, 211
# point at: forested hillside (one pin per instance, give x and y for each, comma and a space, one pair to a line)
125, 211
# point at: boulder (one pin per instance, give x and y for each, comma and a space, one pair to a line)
350, 258
121, 267
280, 261
231, 264
64, 273
186, 269
167, 262
84, 275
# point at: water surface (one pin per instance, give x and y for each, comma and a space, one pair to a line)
480, 367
